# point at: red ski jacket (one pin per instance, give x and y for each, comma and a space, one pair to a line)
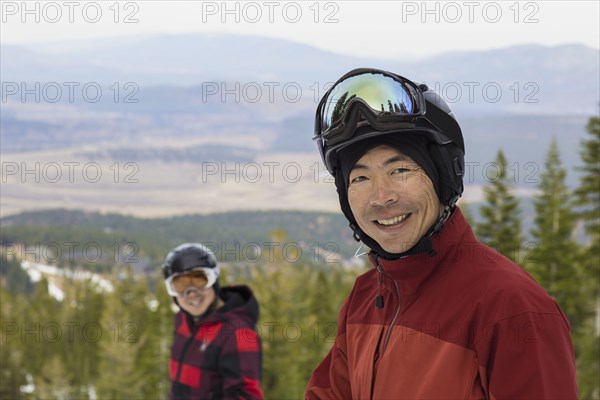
466, 323
220, 357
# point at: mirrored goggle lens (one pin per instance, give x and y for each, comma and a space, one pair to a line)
201, 279
383, 94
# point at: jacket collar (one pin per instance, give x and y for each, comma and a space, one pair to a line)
412, 271
240, 305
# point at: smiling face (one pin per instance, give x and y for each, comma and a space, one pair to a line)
194, 297
392, 199
197, 302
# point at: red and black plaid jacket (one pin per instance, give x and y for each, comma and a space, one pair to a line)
221, 356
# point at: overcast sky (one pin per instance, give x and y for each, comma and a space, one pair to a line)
387, 29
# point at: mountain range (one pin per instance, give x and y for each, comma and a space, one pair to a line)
173, 103
564, 79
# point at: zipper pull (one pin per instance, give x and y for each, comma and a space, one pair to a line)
379, 298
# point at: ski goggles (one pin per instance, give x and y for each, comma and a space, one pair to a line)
199, 278
385, 101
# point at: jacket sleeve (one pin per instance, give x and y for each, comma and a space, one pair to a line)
330, 380
528, 356
241, 364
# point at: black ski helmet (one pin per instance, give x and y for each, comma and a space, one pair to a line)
432, 120
189, 256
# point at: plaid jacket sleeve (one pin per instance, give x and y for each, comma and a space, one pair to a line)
241, 364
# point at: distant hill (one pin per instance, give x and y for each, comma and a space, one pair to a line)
233, 236
102, 242
531, 78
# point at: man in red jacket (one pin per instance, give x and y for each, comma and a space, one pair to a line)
216, 353
440, 316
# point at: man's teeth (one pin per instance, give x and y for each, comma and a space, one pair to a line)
393, 221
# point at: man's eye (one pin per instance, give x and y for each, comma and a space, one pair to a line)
358, 179
401, 170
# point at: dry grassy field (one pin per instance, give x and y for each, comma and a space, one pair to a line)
66, 179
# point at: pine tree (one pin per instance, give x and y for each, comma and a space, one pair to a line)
501, 226
320, 317
284, 327
323, 310
588, 198
119, 375
42, 330
554, 260
297, 329
12, 371
588, 193
273, 310
166, 317
155, 353
55, 381
83, 308
465, 208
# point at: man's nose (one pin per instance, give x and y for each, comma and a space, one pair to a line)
383, 193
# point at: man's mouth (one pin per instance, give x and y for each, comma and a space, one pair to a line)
392, 221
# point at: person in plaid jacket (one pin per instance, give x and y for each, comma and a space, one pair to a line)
216, 353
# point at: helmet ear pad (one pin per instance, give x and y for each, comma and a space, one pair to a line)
450, 164
342, 191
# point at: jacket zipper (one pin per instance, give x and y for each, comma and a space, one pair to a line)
185, 349
379, 304
389, 331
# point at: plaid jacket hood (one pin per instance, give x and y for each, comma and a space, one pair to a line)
220, 357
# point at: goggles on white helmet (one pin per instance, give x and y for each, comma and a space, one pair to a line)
201, 279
